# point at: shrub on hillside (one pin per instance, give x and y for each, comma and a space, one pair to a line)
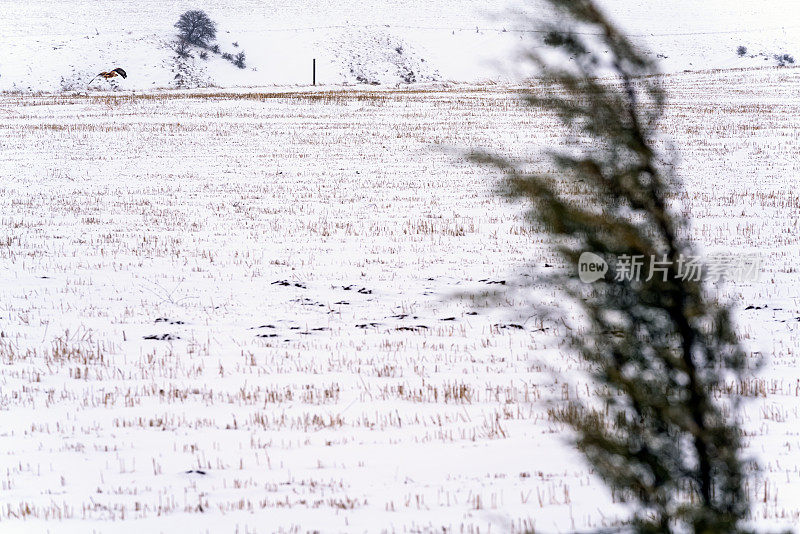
741, 51
239, 60
182, 48
196, 28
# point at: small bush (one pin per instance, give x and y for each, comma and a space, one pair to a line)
196, 28
236, 44
407, 75
182, 48
227, 56
741, 51
214, 48
239, 61
784, 59
203, 55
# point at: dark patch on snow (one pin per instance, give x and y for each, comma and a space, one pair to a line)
167, 320
510, 325
411, 328
162, 337
286, 283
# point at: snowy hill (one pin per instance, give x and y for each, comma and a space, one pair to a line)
60, 46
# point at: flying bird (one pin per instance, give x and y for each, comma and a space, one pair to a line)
111, 74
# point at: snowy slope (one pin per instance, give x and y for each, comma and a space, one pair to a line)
56, 46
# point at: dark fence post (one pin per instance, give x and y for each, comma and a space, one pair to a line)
314, 71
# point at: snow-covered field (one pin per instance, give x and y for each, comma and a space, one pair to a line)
295, 310
54, 46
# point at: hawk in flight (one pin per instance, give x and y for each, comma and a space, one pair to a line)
111, 74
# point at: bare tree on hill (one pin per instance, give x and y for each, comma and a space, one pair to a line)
196, 27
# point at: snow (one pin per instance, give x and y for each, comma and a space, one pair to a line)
230, 301
277, 310
61, 46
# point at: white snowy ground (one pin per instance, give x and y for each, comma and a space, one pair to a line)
304, 261
53, 46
